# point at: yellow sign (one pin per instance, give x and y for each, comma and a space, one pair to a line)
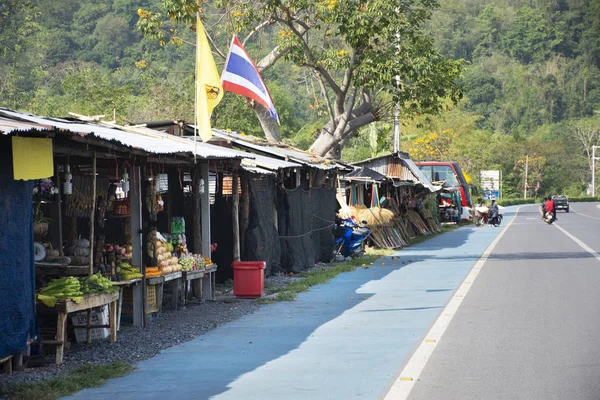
32, 158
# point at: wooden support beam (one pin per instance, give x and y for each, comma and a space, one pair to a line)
197, 201
235, 215
205, 209
244, 212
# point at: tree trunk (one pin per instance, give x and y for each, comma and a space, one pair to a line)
329, 144
268, 124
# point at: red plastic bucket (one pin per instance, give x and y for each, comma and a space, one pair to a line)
248, 279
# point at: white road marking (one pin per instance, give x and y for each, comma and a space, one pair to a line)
405, 381
579, 242
585, 215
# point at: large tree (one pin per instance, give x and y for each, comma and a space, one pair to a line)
365, 55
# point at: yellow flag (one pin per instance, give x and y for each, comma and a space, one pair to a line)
209, 91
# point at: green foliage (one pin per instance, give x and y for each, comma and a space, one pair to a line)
533, 77
514, 202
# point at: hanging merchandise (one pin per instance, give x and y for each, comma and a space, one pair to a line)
68, 185
125, 183
177, 226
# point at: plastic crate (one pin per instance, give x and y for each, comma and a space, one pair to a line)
151, 301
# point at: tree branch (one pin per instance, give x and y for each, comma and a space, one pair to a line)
214, 46
326, 97
300, 34
268, 22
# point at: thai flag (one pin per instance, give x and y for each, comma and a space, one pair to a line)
241, 76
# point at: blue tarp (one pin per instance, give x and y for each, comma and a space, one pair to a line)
17, 271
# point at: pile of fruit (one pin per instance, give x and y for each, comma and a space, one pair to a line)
152, 272
63, 288
128, 272
188, 263
96, 283
126, 251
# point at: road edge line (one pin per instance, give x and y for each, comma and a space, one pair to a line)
405, 380
578, 241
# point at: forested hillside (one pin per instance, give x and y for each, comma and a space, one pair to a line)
531, 86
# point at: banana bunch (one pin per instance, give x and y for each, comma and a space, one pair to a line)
97, 284
127, 272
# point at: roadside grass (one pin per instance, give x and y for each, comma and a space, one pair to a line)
85, 376
319, 277
444, 228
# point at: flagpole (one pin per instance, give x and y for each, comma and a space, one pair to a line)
196, 84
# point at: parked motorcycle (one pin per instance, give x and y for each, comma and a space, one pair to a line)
350, 238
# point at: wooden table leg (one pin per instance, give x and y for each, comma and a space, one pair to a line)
61, 330
120, 307
113, 322
138, 307
186, 285
208, 287
175, 292
196, 289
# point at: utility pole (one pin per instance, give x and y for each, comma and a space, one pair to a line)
594, 170
397, 106
397, 121
526, 167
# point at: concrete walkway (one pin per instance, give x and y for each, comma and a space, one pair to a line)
342, 340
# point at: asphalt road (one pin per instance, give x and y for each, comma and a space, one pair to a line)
529, 327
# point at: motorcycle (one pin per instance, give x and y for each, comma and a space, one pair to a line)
548, 218
483, 216
350, 238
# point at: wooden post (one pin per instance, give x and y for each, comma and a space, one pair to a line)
197, 240
235, 216
137, 243
245, 212
59, 210
92, 223
143, 194
92, 220
112, 321
205, 209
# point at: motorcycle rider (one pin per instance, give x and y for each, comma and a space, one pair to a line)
494, 212
543, 208
549, 207
553, 209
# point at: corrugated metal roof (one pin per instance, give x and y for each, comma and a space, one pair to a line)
140, 138
420, 175
286, 153
399, 166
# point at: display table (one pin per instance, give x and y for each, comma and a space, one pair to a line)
66, 306
137, 306
208, 283
192, 284
173, 280
200, 283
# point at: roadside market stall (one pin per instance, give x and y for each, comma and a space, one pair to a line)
93, 211
394, 197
